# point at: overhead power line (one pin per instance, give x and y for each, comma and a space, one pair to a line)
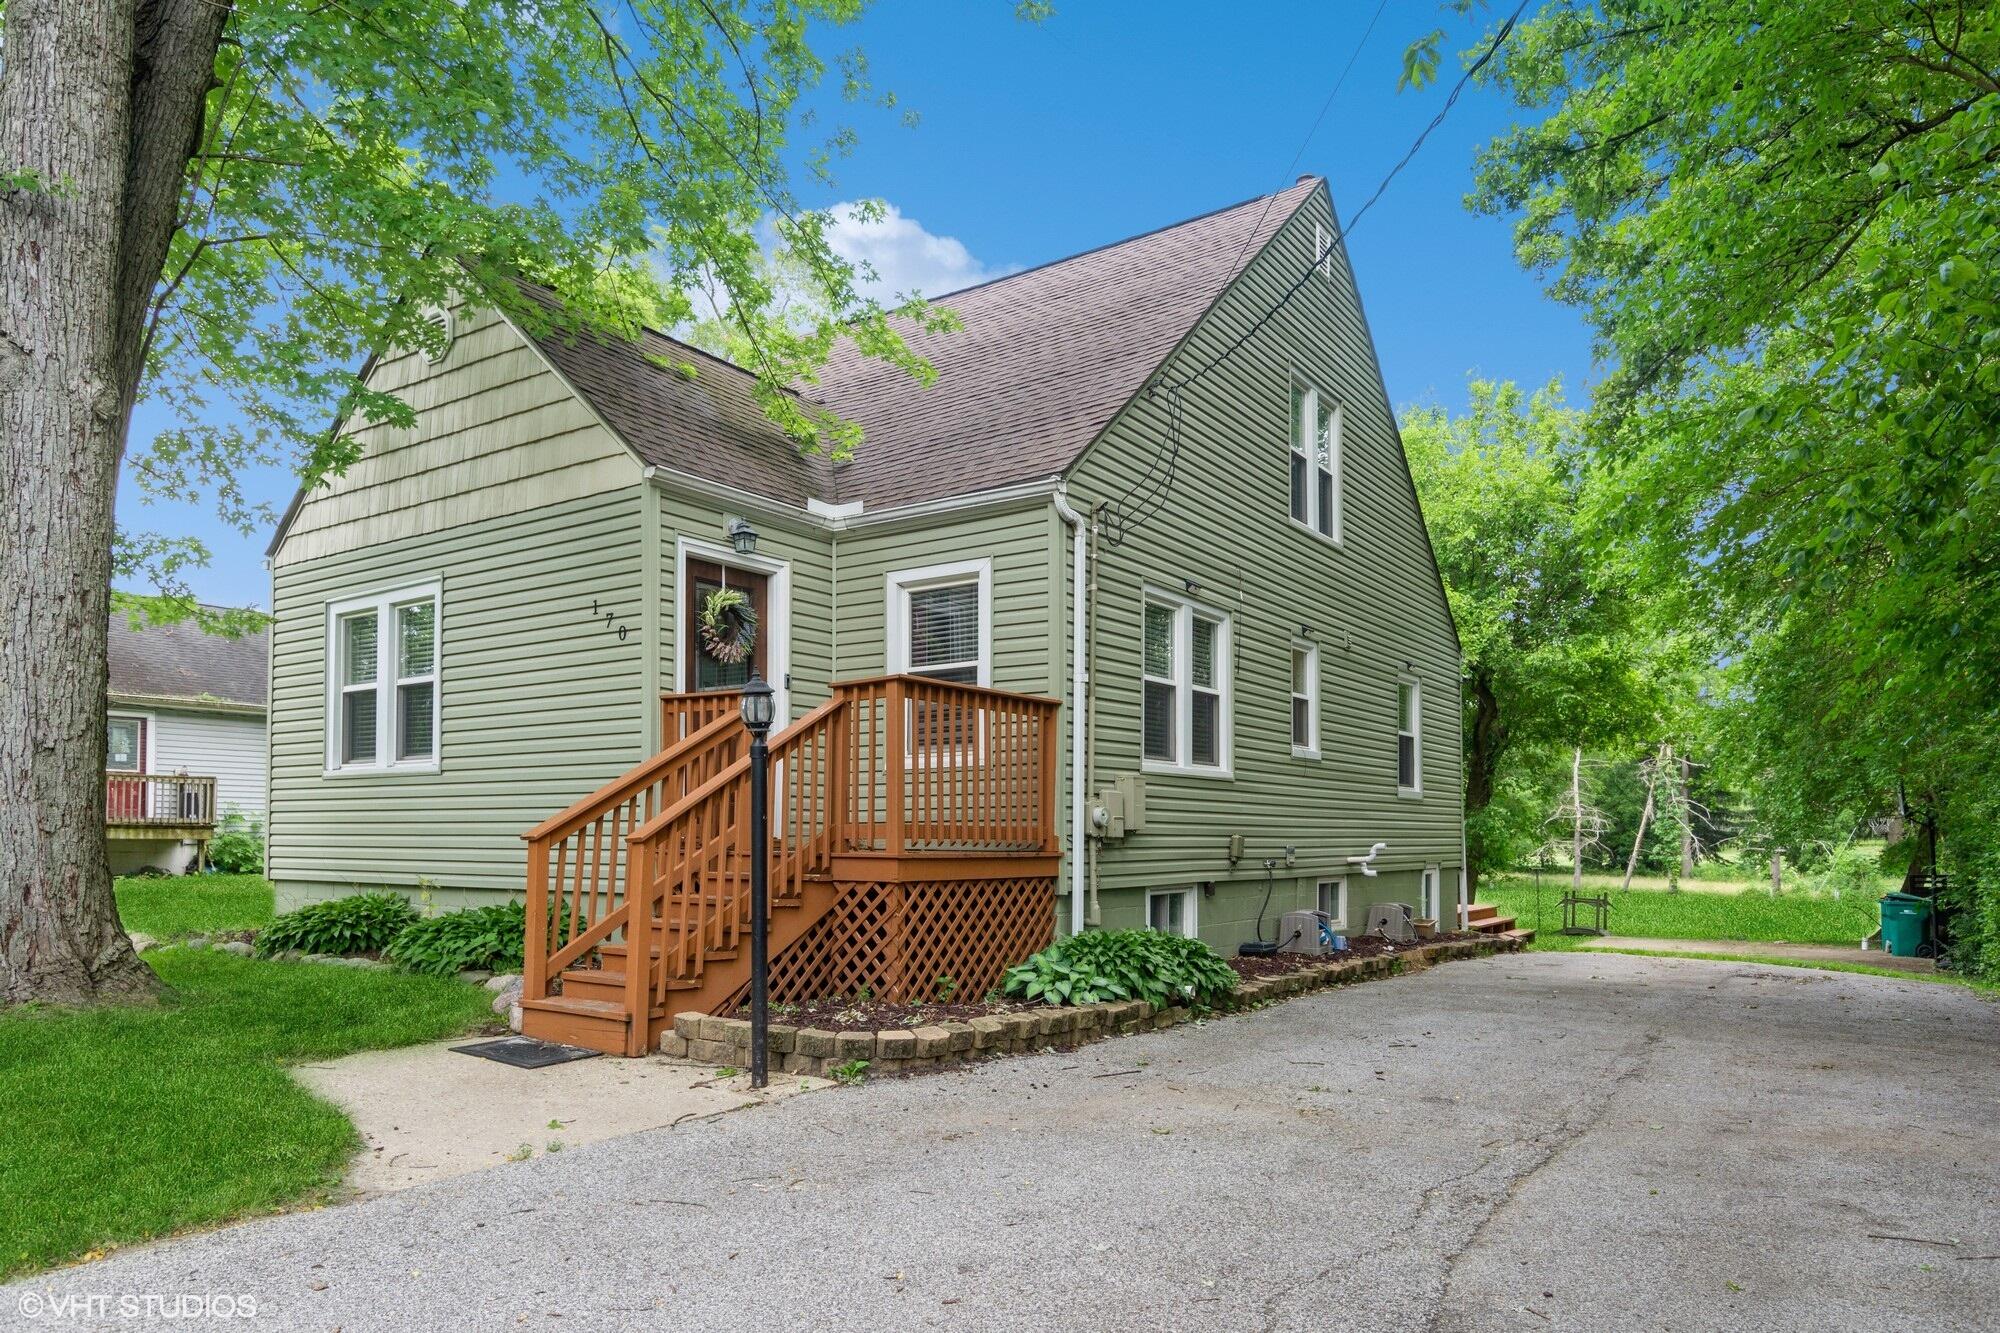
1175, 384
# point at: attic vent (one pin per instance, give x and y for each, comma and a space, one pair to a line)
436, 315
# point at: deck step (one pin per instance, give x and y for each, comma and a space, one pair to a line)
1493, 925
597, 1025
1526, 936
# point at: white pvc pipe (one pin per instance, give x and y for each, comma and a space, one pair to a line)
1080, 541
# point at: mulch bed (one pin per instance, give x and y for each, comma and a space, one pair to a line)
1358, 946
837, 1015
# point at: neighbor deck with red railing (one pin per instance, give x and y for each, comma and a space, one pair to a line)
913, 836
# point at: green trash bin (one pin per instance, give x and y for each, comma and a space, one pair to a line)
1904, 918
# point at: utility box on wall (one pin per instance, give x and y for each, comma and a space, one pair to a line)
1123, 805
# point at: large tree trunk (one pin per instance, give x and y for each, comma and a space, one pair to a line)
80, 252
1482, 767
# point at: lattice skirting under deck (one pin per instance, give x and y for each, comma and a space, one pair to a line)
897, 940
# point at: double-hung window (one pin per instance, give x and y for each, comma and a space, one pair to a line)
1305, 700
1186, 674
940, 622
1409, 730
1315, 446
382, 669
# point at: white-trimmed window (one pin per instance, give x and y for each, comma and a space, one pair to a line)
1322, 255
382, 681
1333, 901
1409, 732
1171, 911
1185, 723
941, 622
1315, 460
1305, 699
1430, 893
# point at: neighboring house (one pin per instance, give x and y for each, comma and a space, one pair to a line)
185, 742
475, 625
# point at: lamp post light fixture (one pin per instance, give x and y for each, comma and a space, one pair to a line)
742, 536
759, 710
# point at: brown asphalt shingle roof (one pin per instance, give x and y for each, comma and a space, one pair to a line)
1045, 360
181, 661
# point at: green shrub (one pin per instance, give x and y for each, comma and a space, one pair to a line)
364, 923
1123, 965
238, 845
485, 937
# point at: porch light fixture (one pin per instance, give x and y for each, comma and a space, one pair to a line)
759, 708
742, 536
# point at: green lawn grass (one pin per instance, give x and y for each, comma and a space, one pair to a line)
132, 1122
1795, 918
183, 905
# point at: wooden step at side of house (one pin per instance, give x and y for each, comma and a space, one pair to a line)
1524, 936
722, 978
597, 1025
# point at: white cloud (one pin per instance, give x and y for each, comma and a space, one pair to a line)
904, 257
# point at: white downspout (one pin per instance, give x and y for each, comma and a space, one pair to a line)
1080, 541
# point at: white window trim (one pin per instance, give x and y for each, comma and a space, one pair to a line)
1322, 252
1336, 533
383, 604
1190, 908
1339, 883
777, 629
1430, 890
901, 583
1225, 659
1416, 733
1311, 749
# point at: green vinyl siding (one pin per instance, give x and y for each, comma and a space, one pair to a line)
807, 551
1015, 538
1371, 603
539, 699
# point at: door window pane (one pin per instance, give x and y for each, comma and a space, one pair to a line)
122, 745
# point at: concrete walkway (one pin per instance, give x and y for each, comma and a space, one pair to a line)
1542, 1141
1801, 953
428, 1113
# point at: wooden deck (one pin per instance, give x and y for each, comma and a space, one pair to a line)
158, 805
913, 837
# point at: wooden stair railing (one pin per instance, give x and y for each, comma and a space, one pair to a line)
894, 768
576, 859
690, 865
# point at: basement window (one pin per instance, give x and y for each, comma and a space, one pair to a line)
1333, 901
1171, 911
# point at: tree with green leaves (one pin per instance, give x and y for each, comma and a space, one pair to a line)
1548, 624
221, 208
1782, 222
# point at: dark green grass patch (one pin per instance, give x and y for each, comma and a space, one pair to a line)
129, 1123
182, 905
1751, 915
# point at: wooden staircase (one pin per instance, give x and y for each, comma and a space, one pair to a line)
894, 806
1486, 919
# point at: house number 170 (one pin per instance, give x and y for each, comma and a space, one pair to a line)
611, 620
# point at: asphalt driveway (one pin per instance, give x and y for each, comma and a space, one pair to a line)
1544, 1141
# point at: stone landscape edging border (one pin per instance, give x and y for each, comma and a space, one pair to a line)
707, 1039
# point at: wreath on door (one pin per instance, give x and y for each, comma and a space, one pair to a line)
728, 625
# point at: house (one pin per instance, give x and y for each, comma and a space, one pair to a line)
1210, 555
185, 741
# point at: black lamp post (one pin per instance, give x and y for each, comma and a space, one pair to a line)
759, 709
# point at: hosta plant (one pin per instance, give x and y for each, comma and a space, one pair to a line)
478, 937
1123, 965
363, 923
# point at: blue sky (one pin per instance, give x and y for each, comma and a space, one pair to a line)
1038, 140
